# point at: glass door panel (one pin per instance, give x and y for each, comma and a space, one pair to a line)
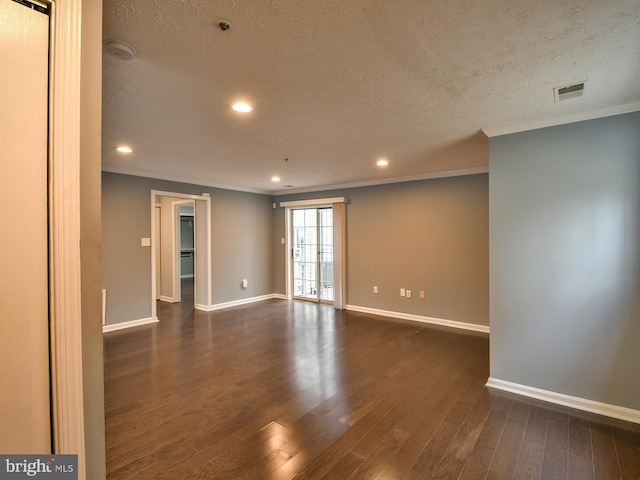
305, 252
313, 254
325, 216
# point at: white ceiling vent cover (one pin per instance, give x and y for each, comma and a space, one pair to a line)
569, 91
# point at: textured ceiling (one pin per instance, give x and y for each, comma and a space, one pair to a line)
336, 84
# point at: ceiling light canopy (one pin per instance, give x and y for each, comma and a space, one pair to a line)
383, 162
119, 49
124, 149
242, 107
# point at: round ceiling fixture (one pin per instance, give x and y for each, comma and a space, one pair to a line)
383, 162
119, 49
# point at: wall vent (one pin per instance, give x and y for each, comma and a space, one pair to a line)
569, 91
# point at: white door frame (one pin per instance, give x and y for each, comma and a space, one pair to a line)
67, 384
339, 244
202, 280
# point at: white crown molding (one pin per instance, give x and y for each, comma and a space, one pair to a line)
614, 411
419, 318
562, 120
133, 323
385, 181
322, 188
178, 179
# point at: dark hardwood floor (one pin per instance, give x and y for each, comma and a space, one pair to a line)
295, 390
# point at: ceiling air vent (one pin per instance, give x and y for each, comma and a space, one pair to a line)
569, 91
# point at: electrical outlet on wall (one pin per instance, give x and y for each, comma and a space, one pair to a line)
402, 292
408, 293
375, 289
421, 294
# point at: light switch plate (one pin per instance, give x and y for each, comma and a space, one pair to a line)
145, 242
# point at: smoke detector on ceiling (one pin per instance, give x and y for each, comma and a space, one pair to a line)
119, 49
569, 91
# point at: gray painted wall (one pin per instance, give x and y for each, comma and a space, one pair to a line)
429, 235
565, 259
242, 243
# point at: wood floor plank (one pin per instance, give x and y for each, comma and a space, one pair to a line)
556, 451
291, 390
628, 451
480, 458
508, 449
604, 451
435, 450
531, 456
454, 459
581, 465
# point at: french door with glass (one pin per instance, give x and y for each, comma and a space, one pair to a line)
312, 254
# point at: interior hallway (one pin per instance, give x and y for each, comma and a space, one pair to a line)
280, 390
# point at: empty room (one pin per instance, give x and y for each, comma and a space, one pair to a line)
420, 239
327, 240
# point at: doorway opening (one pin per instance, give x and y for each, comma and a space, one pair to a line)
316, 244
180, 249
312, 238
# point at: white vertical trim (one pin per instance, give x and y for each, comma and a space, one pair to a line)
208, 285
67, 395
339, 254
287, 253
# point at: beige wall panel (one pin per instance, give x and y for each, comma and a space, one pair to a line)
430, 235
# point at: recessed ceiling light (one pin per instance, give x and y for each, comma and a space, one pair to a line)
275, 179
123, 149
242, 107
383, 162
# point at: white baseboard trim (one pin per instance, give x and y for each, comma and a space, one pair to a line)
606, 409
420, 318
164, 298
234, 303
133, 323
281, 296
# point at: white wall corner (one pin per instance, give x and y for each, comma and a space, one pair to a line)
606, 409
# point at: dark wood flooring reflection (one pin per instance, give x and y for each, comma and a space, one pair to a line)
282, 390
